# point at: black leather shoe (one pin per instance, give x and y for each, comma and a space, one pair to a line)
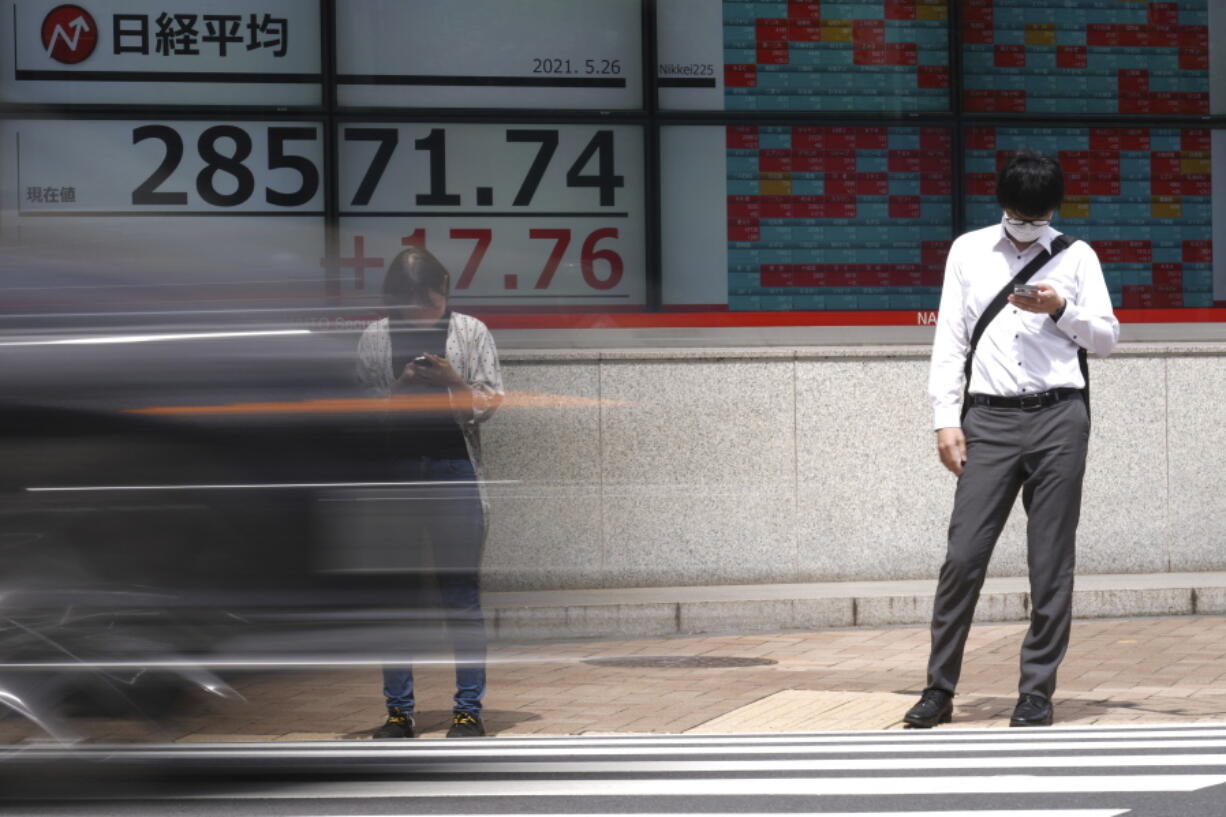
936, 706
1032, 710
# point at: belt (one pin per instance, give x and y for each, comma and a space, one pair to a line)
1027, 402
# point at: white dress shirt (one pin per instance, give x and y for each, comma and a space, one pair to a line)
1020, 352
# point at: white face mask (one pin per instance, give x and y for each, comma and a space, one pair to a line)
1023, 233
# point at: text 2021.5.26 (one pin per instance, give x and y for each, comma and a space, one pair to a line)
565, 66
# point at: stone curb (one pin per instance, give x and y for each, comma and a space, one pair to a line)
663, 611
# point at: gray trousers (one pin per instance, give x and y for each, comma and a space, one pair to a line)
1042, 453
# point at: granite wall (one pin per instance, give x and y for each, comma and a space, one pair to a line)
637, 468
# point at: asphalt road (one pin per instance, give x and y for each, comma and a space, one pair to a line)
1060, 772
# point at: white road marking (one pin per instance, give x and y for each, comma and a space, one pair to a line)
909, 764
1106, 735
495, 748
1009, 813
709, 787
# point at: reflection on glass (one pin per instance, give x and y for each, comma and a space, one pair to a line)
1141, 196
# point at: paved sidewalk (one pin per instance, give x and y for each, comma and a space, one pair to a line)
1145, 670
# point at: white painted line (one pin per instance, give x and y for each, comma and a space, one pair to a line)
1010, 813
570, 766
499, 750
892, 748
910, 735
762, 787
903, 764
576, 749
685, 743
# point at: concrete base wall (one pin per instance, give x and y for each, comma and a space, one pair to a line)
645, 468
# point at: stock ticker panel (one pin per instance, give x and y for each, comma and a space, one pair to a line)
887, 55
1086, 56
837, 218
1140, 196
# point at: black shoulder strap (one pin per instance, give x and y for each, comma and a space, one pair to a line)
1083, 361
1058, 245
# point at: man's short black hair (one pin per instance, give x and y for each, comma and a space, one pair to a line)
1030, 184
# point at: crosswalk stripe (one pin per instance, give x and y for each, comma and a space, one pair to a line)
494, 767
893, 748
890, 737
1104, 733
1078, 737
1077, 773
495, 751
423, 750
715, 787
979, 813
1086, 732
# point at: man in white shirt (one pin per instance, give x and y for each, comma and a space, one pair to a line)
1025, 425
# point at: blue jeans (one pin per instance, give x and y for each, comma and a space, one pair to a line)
455, 524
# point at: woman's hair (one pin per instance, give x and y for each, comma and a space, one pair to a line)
1030, 184
413, 274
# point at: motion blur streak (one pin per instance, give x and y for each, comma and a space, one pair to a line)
399, 404
95, 341
252, 485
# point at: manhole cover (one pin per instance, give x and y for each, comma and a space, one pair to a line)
681, 661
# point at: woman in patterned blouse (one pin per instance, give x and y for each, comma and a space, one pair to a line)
444, 366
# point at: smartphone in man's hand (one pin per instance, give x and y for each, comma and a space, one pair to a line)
1027, 290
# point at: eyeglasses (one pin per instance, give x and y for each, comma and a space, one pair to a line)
1021, 222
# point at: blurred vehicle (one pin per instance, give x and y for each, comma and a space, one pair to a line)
176, 504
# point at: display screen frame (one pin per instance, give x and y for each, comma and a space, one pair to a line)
1174, 324
229, 293
322, 78
541, 70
